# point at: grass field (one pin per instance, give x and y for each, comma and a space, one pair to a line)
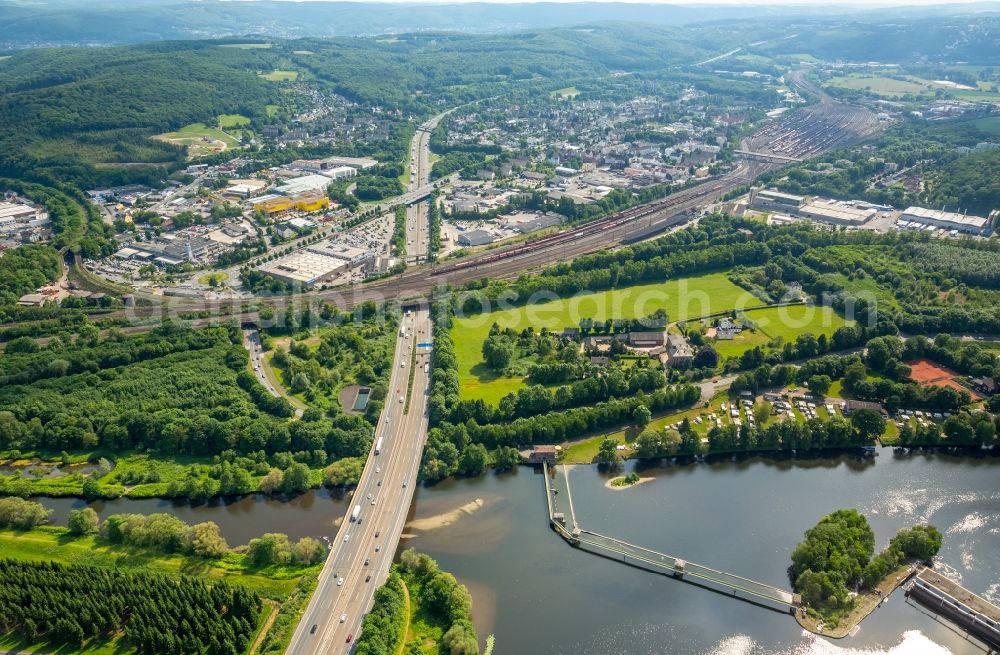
281, 76
740, 343
878, 84
682, 299
568, 92
789, 322
232, 120
200, 139
219, 277
891, 87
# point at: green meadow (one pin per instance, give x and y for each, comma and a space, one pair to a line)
682, 299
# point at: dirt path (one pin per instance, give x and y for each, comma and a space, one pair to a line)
406, 628
268, 622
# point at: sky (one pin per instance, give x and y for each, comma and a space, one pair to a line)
748, 3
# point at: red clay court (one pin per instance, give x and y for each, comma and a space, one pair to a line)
925, 371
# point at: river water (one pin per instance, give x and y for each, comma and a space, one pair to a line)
538, 595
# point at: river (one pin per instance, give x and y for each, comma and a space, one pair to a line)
538, 595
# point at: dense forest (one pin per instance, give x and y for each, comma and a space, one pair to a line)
173, 392
65, 110
24, 269
154, 614
969, 184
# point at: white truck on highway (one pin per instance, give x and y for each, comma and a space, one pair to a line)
378, 446
355, 513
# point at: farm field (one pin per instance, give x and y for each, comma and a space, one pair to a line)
682, 299
280, 76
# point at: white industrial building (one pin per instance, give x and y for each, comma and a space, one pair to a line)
305, 267
836, 213
15, 216
354, 257
305, 184
946, 220
317, 263
770, 200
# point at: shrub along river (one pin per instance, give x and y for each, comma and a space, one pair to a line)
538, 595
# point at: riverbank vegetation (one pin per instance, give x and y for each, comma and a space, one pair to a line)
837, 560
420, 610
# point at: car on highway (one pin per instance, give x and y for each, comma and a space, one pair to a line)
343, 617
377, 533
346, 537
377, 548
368, 578
312, 630
400, 399
367, 561
373, 501
350, 637
340, 581
378, 469
369, 496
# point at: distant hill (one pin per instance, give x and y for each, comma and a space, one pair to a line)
101, 22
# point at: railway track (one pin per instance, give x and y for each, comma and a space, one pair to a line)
805, 133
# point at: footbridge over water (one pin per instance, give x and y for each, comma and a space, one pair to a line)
729, 584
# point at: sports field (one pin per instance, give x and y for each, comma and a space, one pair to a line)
682, 299
926, 372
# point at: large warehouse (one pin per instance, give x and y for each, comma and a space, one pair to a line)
946, 220
305, 267
836, 213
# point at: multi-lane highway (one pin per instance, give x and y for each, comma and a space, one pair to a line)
417, 227
363, 549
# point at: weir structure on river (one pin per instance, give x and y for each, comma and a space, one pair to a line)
735, 586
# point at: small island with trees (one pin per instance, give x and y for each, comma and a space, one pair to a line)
840, 578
